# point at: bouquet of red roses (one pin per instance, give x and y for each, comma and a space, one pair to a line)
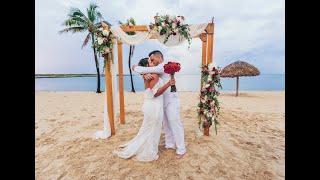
171, 68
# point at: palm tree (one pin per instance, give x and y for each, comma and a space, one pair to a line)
130, 22
79, 22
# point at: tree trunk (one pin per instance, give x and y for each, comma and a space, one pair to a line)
97, 65
130, 52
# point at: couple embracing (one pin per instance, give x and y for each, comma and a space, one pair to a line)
161, 107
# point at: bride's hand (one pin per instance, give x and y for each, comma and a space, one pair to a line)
171, 82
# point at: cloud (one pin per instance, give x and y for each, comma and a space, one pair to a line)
247, 30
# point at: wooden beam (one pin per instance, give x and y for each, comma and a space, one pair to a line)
109, 95
203, 38
109, 89
140, 28
209, 31
134, 28
121, 92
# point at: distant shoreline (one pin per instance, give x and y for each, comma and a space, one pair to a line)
94, 75
69, 75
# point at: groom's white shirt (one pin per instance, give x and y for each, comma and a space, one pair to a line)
168, 96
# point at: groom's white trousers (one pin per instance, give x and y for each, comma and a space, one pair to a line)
174, 132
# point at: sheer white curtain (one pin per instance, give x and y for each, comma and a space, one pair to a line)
106, 132
142, 36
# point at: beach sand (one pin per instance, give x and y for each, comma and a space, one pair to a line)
250, 143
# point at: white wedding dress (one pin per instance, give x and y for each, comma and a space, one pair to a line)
144, 147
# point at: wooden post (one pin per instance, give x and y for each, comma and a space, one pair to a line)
120, 75
203, 38
237, 85
109, 95
210, 30
109, 86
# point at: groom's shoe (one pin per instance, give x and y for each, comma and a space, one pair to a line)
168, 147
179, 156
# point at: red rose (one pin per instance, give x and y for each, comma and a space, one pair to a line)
174, 33
155, 17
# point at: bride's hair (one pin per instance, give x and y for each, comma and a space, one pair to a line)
144, 62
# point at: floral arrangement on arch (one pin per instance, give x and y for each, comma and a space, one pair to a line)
171, 25
104, 43
208, 106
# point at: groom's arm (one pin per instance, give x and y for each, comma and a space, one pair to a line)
146, 70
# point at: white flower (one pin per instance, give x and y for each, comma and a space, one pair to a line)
209, 78
100, 40
212, 102
207, 85
163, 24
211, 65
205, 97
105, 32
159, 29
106, 49
203, 101
174, 25
100, 29
171, 17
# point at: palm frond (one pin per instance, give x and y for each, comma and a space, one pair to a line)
76, 21
132, 21
120, 23
86, 41
98, 16
75, 12
73, 30
92, 11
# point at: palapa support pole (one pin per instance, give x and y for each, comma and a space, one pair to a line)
121, 91
237, 85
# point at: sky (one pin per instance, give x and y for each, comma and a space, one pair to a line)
247, 30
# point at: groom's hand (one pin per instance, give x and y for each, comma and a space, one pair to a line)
147, 77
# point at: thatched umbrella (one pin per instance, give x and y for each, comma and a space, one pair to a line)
237, 69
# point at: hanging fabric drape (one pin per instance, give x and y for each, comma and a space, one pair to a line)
142, 36
106, 132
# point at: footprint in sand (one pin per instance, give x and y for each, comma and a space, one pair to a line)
52, 120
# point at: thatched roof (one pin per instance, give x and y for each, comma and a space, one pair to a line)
239, 68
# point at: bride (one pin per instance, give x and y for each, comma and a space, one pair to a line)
144, 147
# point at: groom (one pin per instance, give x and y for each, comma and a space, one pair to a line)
174, 132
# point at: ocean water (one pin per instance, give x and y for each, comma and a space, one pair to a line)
264, 82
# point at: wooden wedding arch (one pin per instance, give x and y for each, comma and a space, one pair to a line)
207, 57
